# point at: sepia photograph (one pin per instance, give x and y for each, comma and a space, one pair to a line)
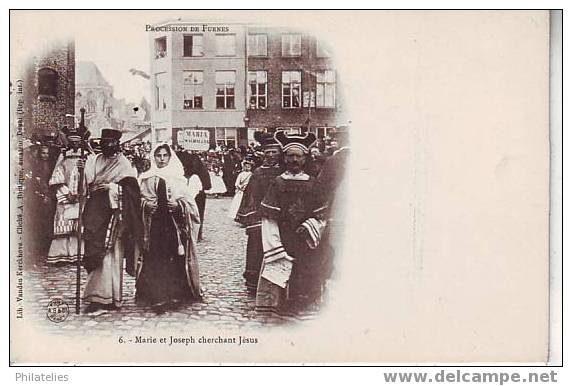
279, 187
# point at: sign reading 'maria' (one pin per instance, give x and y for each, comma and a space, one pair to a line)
193, 139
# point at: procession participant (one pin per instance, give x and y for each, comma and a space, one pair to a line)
199, 169
333, 185
198, 179
315, 162
112, 223
292, 213
39, 204
249, 210
231, 162
169, 271
241, 183
65, 180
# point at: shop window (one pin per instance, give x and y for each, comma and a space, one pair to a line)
226, 136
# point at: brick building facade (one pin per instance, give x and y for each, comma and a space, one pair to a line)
230, 80
301, 82
49, 89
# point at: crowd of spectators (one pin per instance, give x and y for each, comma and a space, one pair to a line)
223, 159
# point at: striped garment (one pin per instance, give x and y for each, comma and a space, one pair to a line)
315, 229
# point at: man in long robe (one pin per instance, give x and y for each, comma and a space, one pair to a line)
65, 180
292, 213
249, 210
112, 223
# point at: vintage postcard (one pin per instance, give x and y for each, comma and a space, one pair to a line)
279, 187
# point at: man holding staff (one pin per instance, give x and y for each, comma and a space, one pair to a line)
112, 223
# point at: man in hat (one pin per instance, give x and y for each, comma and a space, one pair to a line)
249, 210
112, 223
292, 215
65, 180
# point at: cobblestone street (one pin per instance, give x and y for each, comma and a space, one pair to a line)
225, 304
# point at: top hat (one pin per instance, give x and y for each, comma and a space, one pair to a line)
109, 133
299, 141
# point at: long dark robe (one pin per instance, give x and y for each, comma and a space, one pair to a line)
333, 186
193, 165
97, 217
39, 209
230, 172
249, 215
290, 203
201, 201
167, 276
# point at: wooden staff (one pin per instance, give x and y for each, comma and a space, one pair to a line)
80, 195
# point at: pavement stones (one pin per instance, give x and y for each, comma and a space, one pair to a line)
221, 264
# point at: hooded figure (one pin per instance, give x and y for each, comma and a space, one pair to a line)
168, 274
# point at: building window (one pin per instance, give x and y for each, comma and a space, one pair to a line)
225, 44
192, 90
322, 132
161, 91
322, 51
224, 136
257, 45
257, 89
193, 45
326, 88
47, 83
225, 81
291, 84
291, 45
161, 47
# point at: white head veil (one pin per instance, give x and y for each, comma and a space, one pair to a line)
173, 174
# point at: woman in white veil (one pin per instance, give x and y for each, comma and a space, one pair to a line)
168, 273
